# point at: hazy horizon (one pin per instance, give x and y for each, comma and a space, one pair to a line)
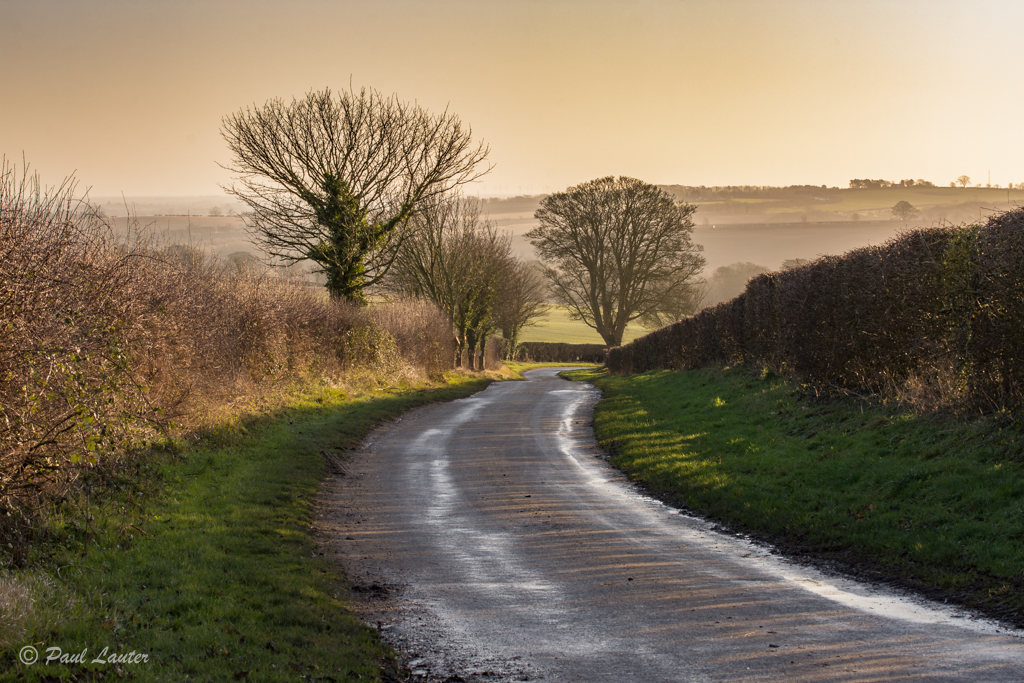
130, 95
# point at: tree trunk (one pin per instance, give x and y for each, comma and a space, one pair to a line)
511, 345
472, 338
345, 282
460, 343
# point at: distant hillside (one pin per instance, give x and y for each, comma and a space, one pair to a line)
809, 203
872, 200
215, 205
521, 204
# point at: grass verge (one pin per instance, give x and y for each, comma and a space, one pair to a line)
929, 502
204, 558
516, 369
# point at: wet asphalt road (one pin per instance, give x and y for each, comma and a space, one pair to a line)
491, 541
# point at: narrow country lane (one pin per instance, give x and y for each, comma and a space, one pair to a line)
492, 542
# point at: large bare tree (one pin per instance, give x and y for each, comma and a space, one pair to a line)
335, 177
618, 250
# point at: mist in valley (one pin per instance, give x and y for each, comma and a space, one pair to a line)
765, 235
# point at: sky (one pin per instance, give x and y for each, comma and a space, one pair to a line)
129, 94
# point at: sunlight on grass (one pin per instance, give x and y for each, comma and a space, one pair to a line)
558, 326
937, 499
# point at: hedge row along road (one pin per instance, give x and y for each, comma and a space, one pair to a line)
493, 542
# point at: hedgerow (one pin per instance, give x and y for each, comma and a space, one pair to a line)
110, 339
934, 315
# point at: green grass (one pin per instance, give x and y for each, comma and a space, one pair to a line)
557, 326
517, 369
933, 502
205, 560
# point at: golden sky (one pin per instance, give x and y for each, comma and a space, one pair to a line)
129, 94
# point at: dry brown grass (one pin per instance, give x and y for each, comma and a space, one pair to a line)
109, 339
422, 335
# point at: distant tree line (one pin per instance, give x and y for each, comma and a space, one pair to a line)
866, 184
720, 192
522, 203
690, 193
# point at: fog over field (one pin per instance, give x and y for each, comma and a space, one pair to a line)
723, 244
767, 233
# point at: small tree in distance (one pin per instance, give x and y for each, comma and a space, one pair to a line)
334, 178
617, 250
964, 181
904, 210
729, 281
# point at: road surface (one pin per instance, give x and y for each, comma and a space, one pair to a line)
490, 541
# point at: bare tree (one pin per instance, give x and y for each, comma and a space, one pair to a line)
457, 260
618, 250
520, 302
964, 181
334, 178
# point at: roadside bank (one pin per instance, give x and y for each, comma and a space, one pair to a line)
202, 563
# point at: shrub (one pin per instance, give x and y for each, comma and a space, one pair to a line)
422, 334
110, 338
937, 314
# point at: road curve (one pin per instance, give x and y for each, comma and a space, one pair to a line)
491, 541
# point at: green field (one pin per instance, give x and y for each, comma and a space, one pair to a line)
840, 202
557, 326
935, 503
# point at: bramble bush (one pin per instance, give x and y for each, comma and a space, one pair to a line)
111, 339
